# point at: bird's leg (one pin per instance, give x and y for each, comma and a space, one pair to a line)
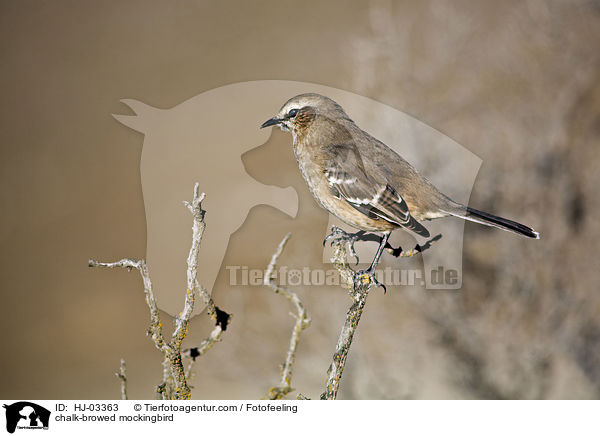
339, 235
364, 276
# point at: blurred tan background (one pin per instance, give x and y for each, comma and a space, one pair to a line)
517, 83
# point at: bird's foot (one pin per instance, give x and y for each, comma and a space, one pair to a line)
366, 278
339, 236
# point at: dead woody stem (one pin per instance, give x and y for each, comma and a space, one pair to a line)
122, 376
302, 322
359, 291
174, 384
359, 299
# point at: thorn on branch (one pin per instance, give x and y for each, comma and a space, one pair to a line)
222, 318
194, 352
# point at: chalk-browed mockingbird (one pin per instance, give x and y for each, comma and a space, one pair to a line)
361, 180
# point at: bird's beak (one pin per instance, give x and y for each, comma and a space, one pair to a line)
271, 122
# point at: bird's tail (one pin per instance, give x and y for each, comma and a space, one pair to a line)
495, 221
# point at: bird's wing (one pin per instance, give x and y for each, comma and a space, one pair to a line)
348, 180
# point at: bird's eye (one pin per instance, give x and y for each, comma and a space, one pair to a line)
292, 113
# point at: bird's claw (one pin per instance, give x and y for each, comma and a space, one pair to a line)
339, 236
365, 278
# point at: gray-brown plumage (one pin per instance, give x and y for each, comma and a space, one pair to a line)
361, 180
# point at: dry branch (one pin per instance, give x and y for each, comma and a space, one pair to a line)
174, 384
122, 376
359, 285
302, 322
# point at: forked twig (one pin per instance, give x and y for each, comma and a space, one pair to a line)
174, 384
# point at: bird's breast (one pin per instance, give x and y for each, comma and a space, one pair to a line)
314, 174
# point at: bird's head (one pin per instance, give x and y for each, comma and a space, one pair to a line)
299, 113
